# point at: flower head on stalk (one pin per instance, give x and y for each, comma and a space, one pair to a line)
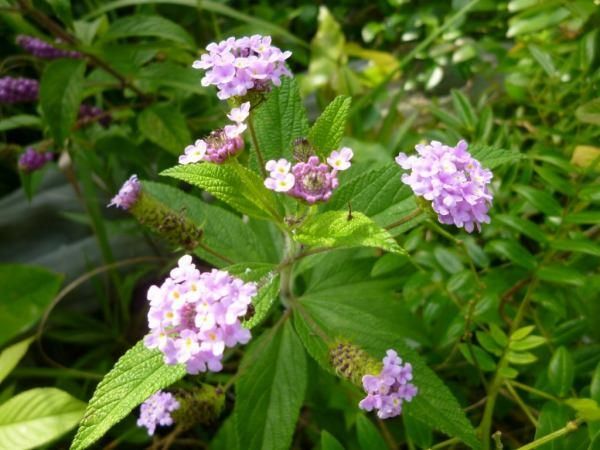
128, 194
157, 410
454, 182
194, 316
237, 66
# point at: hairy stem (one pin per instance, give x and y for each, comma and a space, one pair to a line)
568, 428
415, 213
259, 156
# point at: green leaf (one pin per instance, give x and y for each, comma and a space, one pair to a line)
270, 390
521, 358
580, 245
561, 275
464, 109
26, 293
280, 120
368, 436
148, 26
484, 361
541, 200
523, 24
584, 218
523, 226
589, 112
493, 157
513, 251
329, 442
553, 417
62, 8
36, 417
10, 357
543, 58
561, 372
327, 132
164, 125
232, 183
528, 343
137, 375
168, 74
61, 88
522, 333
20, 120
587, 409
337, 229
595, 384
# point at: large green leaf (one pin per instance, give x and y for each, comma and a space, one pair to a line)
327, 132
237, 186
280, 120
137, 375
270, 390
26, 292
36, 417
164, 125
148, 26
61, 88
10, 357
339, 229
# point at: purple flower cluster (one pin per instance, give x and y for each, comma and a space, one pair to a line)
454, 182
194, 316
387, 391
156, 410
90, 113
18, 90
128, 194
236, 66
311, 181
43, 49
32, 160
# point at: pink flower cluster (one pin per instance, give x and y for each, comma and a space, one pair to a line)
156, 410
194, 316
128, 194
454, 182
311, 181
387, 391
236, 66
221, 144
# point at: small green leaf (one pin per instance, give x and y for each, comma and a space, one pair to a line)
337, 229
541, 200
580, 245
463, 107
488, 343
62, 8
513, 251
36, 417
10, 357
553, 417
523, 226
543, 58
595, 384
484, 361
140, 25
137, 375
368, 435
61, 88
561, 275
327, 132
522, 333
329, 442
19, 121
493, 157
270, 390
26, 292
584, 218
527, 343
561, 372
589, 112
587, 409
521, 358
165, 126
498, 335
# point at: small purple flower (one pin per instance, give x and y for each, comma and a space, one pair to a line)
340, 160
90, 113
195, 316
454, 182
43, 49
236, 66
128, 194
387, 391
18, 90
156, 411
32, 160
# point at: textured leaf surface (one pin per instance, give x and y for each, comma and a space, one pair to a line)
36, 417
336, 229
137, 375
26, 292
61, 88
10, 357
280, 120
148, 26
492, 157
271, 390
327, 132
165, 126
237, 186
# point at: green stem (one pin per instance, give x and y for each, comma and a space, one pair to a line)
533, 391
521, 403
207, 249
446, 443
259, 156
568, 428
415, 213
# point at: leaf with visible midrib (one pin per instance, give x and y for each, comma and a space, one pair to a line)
270, 390
492, 157
326, 133
137, 375
61, 88
35, 417
145, 25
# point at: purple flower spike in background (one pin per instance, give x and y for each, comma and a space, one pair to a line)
387, 391
18, 90
90, 113
43, 49
236, 66
454, 182
156, 411
128, 194
32, 160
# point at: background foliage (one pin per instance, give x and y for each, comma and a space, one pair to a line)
500, 326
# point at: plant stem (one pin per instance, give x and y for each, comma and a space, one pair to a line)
415, 213
259, 156
446, 443
533, 391
568, 428
207, 249
521, 403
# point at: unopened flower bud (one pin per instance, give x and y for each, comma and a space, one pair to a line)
199, 406
351, 362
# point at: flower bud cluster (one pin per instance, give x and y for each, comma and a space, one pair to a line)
43, 49
194, 316
18, 90
32, 160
